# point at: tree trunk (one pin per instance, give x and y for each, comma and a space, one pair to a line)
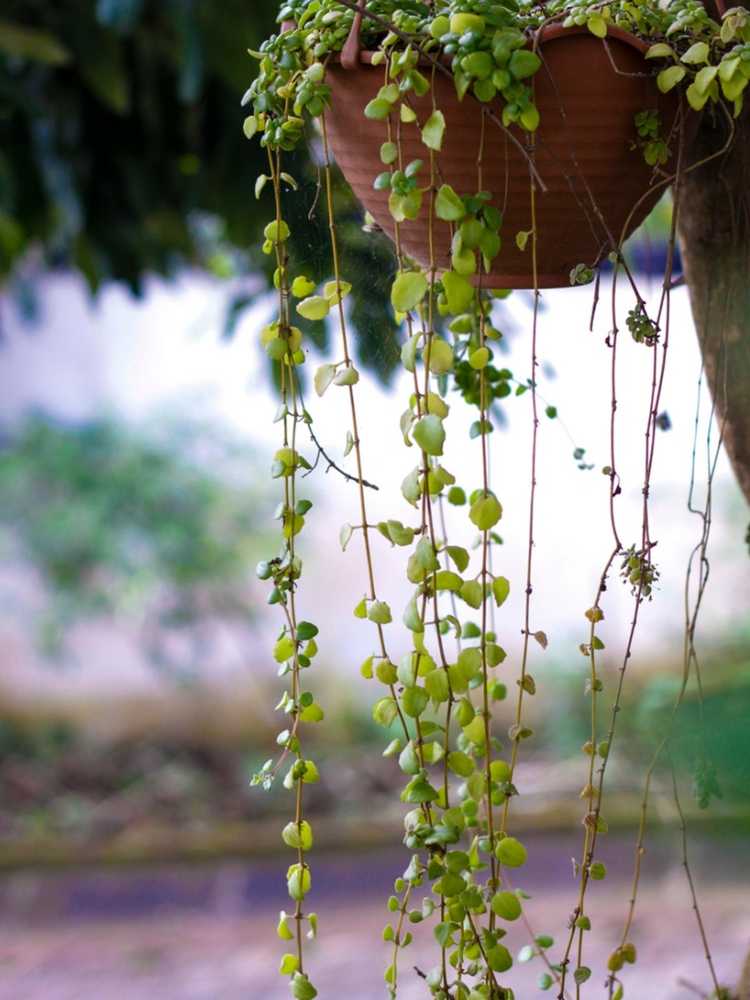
715, 243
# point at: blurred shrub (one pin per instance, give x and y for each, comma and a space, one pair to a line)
114, 520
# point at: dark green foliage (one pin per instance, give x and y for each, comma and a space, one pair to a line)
122, 152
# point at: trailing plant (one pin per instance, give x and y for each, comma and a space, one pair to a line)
461, 774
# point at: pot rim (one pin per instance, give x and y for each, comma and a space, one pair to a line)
548, 33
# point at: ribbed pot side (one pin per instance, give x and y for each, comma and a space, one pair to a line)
584, 152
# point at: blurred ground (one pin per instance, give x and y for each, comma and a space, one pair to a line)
208, 933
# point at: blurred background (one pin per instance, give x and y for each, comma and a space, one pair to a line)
136, 685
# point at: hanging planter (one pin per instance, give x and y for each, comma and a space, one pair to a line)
499, 145
586, 152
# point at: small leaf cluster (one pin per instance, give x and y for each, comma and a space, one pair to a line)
489, 48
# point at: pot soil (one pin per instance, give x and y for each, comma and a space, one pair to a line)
599, 188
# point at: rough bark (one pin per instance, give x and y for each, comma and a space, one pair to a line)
715, 242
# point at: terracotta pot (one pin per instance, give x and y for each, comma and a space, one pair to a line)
583, 153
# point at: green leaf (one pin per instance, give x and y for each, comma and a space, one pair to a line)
436, 685
598, 870
29, 43
446, 580
448, 206
486, 511
425, 555
284, 649
429, 434
541, 638
385, 711
582, 974
522, 238
348, 375
379, 612
345, 535
441, 356
500, 589
411, 618
389, 153
283, 929
459, 556
324, 375
378, 109
314, 308
397, 533
335, 291
408, 290
696, 99
298, 836
499, 958
302, 287
479, 358
530, 119
506, 905
459, 292
298, 881
434, 130
728, 67
302, 988
414, 701
524, 63
408, 760
463, 259
289, 964
312, 713
419, 790
410, 487
696, 54
660, 51
277, 231
473, 593
705, 78
597, 26
511, 852
461, 763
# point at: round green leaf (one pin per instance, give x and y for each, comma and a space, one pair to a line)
408, 290
314, 307
506, 905
511, 852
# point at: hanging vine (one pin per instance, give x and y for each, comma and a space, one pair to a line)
454, 245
